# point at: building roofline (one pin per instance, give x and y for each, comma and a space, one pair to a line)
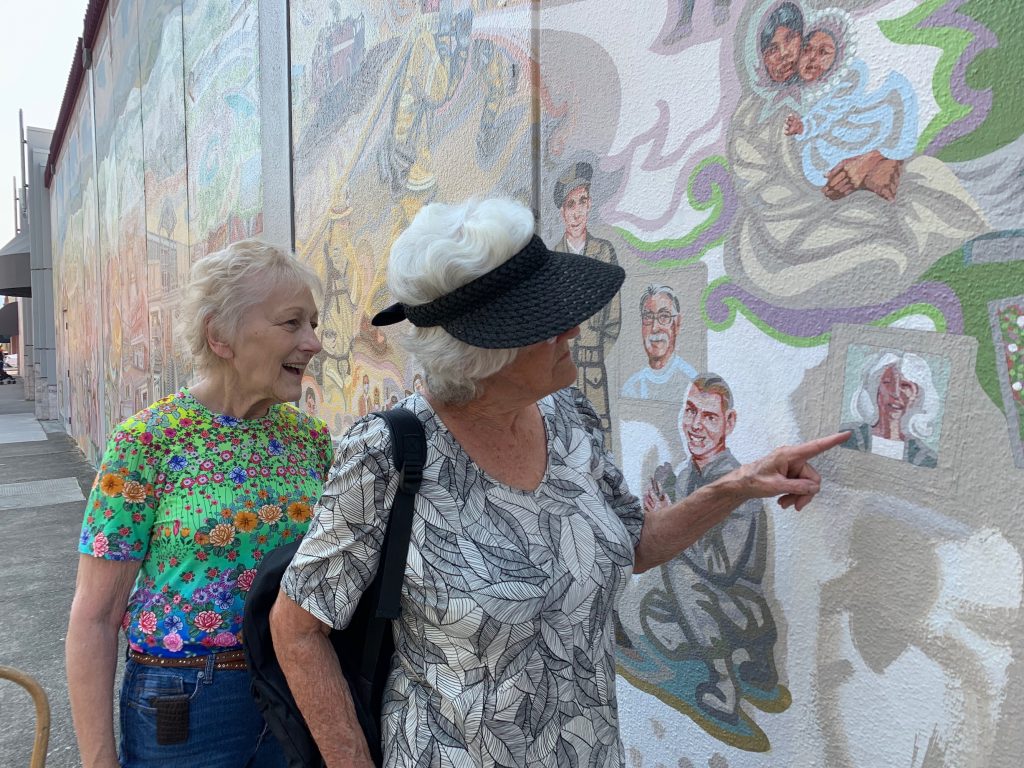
81, 60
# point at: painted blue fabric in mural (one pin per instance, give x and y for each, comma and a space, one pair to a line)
849, 120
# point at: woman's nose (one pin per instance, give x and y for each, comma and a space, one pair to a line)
311, 342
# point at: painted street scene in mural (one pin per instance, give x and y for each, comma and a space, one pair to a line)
819, 209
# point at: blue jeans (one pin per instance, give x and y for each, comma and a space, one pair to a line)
225, 730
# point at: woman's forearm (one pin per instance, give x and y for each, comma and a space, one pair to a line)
316, 681
785, 472
669, 530
91, 657
101, 594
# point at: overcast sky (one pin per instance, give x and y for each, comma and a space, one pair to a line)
35, 59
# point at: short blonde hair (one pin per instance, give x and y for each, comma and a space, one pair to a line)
445, 247
225, 284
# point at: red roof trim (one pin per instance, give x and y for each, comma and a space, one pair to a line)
75, 77
93, 20
94, 15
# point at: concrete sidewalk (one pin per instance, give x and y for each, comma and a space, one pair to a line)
43, 483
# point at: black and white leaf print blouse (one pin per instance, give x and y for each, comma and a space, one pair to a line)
505, 648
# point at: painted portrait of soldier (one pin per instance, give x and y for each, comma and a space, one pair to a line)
598, 334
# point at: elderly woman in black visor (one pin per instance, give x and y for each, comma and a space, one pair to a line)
524, 532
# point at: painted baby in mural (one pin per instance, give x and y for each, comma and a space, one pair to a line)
850, 137
825, 206
710, 607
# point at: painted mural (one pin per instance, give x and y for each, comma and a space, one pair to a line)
121, 200
166, 185
77, 286
91, 353
817, 205
386, 99
836, 169
222, 125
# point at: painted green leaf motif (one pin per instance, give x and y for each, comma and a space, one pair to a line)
984, 74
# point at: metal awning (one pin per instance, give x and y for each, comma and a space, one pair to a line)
9, 319
15, 267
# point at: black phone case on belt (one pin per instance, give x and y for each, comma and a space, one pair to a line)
171, 718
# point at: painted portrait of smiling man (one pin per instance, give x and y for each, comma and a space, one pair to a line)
664, 340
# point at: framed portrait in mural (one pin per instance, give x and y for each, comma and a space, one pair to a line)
1006, 318
901, 394
662, 343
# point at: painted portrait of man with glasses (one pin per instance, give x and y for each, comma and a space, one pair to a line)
667, 375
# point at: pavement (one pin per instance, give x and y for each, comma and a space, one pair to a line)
44, 480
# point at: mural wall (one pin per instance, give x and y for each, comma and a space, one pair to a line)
165, 185
817, 204
394, 105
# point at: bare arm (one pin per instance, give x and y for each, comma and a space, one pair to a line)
316, 681
784, 472
101, 596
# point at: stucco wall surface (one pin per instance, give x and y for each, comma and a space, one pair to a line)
818, 202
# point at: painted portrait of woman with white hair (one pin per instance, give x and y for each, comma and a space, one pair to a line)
896, 409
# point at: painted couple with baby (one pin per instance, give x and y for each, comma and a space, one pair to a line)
831, 183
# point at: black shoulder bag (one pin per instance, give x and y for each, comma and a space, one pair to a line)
365, 647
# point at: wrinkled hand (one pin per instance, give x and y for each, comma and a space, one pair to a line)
794, 125
884, 178
785, 472
849, 175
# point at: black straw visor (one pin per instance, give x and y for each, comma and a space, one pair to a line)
536, 295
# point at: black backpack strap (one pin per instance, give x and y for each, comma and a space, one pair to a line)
409, 453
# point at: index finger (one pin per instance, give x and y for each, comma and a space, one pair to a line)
813, 447
841, 165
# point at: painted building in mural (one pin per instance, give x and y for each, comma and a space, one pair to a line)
818, 207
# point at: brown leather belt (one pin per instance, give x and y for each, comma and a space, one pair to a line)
224, 660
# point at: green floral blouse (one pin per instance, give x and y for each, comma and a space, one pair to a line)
199, 498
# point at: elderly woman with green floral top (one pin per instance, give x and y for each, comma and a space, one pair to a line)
190, 495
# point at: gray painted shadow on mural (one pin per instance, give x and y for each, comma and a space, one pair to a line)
905, 622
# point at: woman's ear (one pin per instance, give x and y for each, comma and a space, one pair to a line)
220, 348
